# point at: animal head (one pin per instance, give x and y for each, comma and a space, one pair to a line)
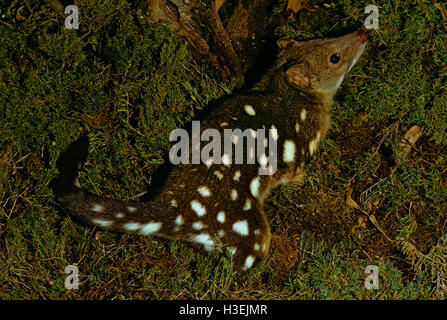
320, 65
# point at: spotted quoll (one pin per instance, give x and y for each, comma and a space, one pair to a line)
209, 203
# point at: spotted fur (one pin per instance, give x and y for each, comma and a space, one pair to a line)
205, 201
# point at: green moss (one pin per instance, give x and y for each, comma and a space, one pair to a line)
127, 85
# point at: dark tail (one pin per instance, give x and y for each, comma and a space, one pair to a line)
109, 214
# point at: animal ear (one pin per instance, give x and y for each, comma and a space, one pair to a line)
284, 43
297, 74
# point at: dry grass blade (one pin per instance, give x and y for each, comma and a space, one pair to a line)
352, 204
374, 221
349, 201
434, 262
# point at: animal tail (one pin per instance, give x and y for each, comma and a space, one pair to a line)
108, 214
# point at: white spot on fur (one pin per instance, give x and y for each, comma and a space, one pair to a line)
248, 263
289, 151
179, 220
249, 110
204, 191
226, 160
224, 124
205, 240
233, 194
102, 223
209, 162
263, 161
119, 215
131, 209
247, 205
198, 225
253, 133
132, 226
274, 133
197, 207
241, 227
256, 232
173, 203
303, 114
232, 250
297, 127
256, 246
150, 228
237, 175
254, 186
97, 208
221, 217
218, 174
251, 153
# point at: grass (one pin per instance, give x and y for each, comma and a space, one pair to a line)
127, 85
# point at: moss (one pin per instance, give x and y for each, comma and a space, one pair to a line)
127, 85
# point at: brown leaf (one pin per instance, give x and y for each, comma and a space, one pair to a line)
410, 138
295, 5
349, 201
362, 221
219, 4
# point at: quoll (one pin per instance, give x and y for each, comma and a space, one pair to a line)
204, 203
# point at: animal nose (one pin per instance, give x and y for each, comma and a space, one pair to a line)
362, 36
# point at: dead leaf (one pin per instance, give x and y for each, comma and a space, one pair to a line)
361, 221
295, 5
410, 138
219, 4
349, 201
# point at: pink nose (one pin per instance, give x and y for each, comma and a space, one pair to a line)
362, 36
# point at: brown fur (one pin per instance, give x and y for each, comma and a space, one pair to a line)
295, 94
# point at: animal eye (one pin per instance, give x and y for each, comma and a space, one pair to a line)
335, 58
